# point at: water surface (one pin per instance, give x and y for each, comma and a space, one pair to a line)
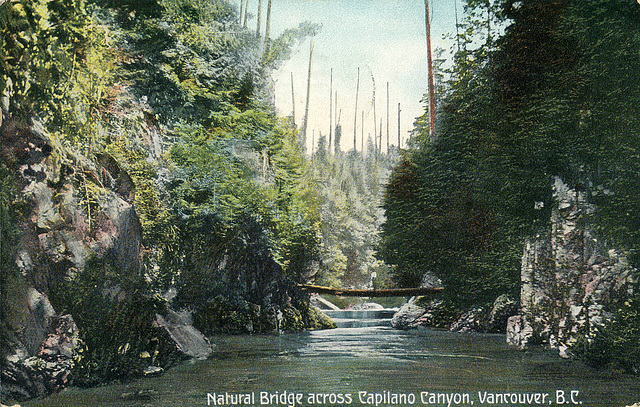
375, 360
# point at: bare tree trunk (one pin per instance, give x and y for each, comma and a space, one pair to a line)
246, 14
241, 12
399, 126
336, 141
375, 118
355, 116
387, 117
259, 23
330, 110
362, 135
306, 108
432, 87
267, 31
455, 8
380, 144
293, 102
338, 132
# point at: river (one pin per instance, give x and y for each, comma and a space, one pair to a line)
397, 367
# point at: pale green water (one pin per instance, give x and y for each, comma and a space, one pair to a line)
372, 359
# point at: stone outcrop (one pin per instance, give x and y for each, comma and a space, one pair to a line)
74, 211
49, 369
434, 313
570, 282
470, 321
480, 319
79, 209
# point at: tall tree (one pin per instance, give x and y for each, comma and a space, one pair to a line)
432, 86
259, 22
375, 118
388, 117
355, 115
246, 14
267, 32
330, 108
399, 125
293, 102
305, 123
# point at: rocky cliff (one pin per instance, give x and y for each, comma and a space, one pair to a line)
75, 213
571, 282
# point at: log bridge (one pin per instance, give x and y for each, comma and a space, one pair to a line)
389, 292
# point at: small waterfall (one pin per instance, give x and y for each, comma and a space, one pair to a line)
361, 318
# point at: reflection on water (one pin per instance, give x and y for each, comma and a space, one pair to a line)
373, 359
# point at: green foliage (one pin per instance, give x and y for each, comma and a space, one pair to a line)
350, 195
221, 314
279, 50
319, 320
224, 314
172, 99
56, 64
442, 313
116, 324
616, 343
545, 99
8, 273
292, 320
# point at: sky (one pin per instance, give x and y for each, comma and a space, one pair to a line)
385, 39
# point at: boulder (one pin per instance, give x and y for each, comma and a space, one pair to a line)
188, 339
471, 321
503, 309
519, 333
407, 315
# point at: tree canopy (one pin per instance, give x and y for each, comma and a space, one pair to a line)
539, 89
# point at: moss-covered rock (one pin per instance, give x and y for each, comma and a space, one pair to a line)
319, 320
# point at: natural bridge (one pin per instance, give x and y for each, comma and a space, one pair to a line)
389, 292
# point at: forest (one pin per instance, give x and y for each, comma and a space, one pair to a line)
168, 104
538, 90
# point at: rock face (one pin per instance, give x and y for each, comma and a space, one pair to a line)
503, 309
74, 211
570, 282
49, 369
480, 319
63, 228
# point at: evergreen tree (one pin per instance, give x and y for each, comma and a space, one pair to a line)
544, 99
